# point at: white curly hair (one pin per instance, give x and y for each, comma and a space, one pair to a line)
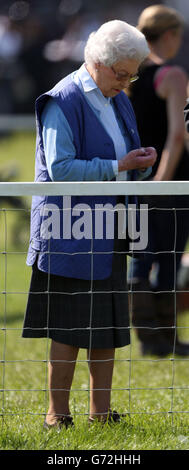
114, 41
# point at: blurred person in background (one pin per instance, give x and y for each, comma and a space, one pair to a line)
158, 98
86, 131
10, 47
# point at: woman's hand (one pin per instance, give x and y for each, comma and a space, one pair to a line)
138, 159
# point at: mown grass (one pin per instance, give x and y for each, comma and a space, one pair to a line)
153, 392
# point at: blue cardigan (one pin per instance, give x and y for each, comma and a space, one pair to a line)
84, 258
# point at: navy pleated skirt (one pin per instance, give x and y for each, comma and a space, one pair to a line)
78, 312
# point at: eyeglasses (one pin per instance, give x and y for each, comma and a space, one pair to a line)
124, 77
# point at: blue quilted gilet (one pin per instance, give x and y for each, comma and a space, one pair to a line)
84, 258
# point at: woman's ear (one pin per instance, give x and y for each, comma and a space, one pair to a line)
97, 65
167, 35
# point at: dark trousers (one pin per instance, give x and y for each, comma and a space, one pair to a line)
168, 222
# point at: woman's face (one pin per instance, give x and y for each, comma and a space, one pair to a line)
111, 80
173, 42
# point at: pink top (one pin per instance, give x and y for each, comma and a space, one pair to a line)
163, 71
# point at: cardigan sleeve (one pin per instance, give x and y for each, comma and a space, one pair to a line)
60, 151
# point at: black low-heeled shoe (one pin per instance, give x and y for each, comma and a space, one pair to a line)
112, 417
65, 421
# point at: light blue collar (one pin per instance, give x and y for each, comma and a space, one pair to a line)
88, 84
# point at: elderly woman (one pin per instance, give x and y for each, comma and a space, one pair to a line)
86, 131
